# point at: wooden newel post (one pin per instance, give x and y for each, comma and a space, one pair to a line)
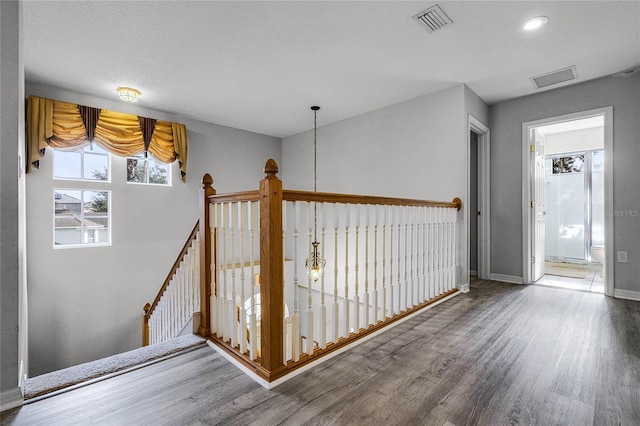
206, 247
145, 325
458, 202
271, 270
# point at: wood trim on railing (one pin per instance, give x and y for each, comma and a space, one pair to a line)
271, 271
235, 196
328, 197
206, 249
149, 308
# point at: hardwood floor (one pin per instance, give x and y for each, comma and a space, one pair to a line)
501, 354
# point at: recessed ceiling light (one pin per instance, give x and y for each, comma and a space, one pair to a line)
128, 94
535, 23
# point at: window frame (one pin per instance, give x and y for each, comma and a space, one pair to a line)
83, 228
82, 152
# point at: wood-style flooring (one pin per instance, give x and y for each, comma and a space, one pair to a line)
501, 354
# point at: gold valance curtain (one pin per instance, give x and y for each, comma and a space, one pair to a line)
66, 126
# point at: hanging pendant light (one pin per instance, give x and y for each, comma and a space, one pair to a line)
315, 262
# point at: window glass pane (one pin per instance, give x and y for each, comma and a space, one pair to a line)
67, 217
96, 167
96, 203
136, 170
158, 173
67, 165
564, 222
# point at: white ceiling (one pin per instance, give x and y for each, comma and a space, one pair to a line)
260, 65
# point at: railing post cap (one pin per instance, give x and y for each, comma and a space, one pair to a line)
271, 167
207, 180
458, 202
146, 308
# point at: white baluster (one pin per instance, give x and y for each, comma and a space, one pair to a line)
285, 322
365, 301
391, 226
429, 240
406, 283
295, 326
356, 295
415, 232
221, 269
242, 329
322, 339
309, 348
346, 270
223, 302
252, 319
336, 311
233, 313
452, 249
425, 281
399, 267
375, 264
440, 251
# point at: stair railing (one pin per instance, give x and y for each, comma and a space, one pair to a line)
178, 298
383, 259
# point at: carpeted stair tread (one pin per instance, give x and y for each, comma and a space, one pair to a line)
60, 379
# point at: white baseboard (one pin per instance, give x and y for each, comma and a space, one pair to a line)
506, 278
626, 294
11, 398
473, 273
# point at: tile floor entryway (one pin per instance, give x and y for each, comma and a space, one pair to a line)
574, 277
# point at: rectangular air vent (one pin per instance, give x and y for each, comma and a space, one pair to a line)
554, 77
433, 18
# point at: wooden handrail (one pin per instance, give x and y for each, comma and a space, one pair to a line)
149, 308
235, 196
328, 197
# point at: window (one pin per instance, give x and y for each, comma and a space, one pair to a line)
81, 217
89, 163
148, 171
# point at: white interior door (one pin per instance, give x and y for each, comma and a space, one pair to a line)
537, 204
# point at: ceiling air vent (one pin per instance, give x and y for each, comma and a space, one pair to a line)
554, 77
433, 18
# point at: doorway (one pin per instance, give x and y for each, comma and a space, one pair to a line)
477, 211
567, 189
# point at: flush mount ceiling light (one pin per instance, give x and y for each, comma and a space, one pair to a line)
535, 23
128, 94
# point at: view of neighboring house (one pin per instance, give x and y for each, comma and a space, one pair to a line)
75, 224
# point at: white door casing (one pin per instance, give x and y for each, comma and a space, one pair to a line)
537, 204
527, 174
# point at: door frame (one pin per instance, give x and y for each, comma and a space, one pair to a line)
484, 197
607, 113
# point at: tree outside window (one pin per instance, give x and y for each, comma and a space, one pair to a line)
148, 171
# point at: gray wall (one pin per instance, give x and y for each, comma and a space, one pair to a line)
411, 150
623, 93
86, 303
11, 192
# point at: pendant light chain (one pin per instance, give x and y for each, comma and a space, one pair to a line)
315, 170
